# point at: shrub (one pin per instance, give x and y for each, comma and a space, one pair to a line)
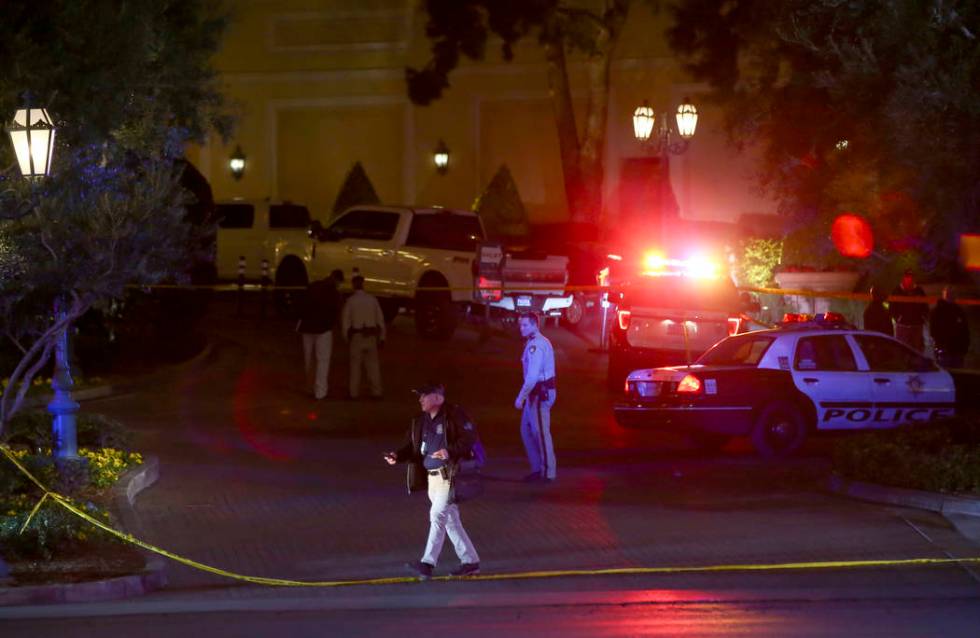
357, 189
939, 457
53, 529
33, 430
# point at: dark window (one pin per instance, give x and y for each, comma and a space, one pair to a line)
365, 224
886, 355
827, 352
744, 350
446, 231
288, 216
235, 215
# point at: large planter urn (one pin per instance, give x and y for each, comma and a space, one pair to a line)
815, 282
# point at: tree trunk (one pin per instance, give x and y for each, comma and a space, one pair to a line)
592, 155
568, 142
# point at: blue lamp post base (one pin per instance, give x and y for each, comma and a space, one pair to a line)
62, 407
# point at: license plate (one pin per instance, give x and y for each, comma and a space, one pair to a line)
524, 301
648, 388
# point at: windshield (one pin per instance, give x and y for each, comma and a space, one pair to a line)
743, 350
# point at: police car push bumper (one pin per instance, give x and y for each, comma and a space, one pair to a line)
731, 420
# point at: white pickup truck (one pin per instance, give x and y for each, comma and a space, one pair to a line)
252, 231
420, 258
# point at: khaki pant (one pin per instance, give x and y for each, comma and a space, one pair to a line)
444, 519
364, 353
316, 361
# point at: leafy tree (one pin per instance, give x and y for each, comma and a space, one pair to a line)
128, 84
356, 189
462, 27
868, 106
500, 207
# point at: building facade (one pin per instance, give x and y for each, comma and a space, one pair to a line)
320, 85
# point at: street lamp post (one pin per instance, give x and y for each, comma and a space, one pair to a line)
657, 134
32, 134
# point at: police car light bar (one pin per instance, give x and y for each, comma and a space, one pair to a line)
655, 264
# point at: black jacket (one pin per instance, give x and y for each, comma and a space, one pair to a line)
460, 437
320, 308
949, 328
909, 313
876, 317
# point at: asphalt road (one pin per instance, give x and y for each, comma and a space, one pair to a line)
258, 478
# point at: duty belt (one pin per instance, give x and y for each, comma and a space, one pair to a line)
541, 388
367, 331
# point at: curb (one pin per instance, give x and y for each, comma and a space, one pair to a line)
122, 497
931, 501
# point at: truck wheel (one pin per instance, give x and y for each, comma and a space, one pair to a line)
291, 272
779, 431
616, 373
572, 315
435, 315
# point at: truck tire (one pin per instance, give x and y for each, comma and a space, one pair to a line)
291, 272
779, 430
435, 314
573, 314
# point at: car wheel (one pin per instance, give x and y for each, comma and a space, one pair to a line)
779, 431
709, 441
435, 315
572, 316
291, 273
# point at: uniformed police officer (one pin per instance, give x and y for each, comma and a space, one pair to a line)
438, 438
537, 395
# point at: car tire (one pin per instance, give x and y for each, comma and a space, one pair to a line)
572, 315
779, 430
290, 273
709, 441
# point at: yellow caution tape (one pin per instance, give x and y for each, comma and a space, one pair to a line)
555, 573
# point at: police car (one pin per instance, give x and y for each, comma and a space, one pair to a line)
779, 385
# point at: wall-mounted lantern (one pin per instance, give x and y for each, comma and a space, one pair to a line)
32, 134
237, 163
441, 157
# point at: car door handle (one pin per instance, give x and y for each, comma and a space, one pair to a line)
810, 380
882, 380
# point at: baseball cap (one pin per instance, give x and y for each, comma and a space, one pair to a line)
430, 387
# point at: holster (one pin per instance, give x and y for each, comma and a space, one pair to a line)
541, 389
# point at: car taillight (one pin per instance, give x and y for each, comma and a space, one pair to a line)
488, 292
689, 384
734, 323
626, 386
623, 317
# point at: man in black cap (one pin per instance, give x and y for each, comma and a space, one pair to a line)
910, 316
438, 439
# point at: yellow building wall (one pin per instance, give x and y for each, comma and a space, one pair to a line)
319, 84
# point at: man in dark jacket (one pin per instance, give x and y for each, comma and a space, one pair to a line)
950, 331
440, 437
910, 316
317, 320
876, 316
